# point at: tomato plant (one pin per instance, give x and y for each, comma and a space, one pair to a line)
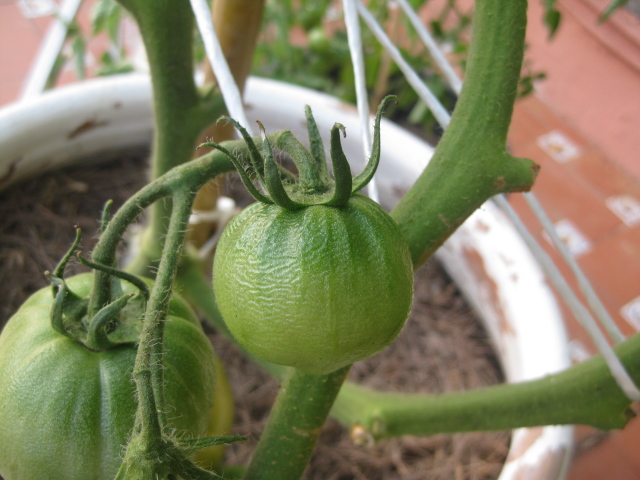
324, 281
67, 411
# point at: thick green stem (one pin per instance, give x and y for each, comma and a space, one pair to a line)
586, 394
180, 113
167, 32
471, 163
294, 425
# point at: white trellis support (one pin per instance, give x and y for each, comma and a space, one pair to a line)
228, 87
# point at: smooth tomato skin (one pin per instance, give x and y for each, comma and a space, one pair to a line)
317, 288
66, 413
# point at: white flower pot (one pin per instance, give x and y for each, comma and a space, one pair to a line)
486, 257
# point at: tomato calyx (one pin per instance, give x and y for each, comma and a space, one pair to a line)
314, 185
116, 323
169, 458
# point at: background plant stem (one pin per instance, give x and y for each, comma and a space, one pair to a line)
180, 112
189, 177
237, 24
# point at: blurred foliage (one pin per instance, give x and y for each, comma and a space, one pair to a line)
106, 19
553, 17
305, 42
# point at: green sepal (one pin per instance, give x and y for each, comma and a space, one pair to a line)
315, 142
254, 153
58, 272
312, 180
97, 334
341, 169
68, 309
272, 180
70, 313
314, 186
244, 174
361, 180
192, 445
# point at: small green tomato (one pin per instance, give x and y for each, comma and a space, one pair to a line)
67, 411
313, 276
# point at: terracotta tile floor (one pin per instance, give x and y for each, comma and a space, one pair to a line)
581, 126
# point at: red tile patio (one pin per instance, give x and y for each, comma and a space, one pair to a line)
582, 125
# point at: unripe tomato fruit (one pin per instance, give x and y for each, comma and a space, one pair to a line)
221, 421
67, 412
316, 288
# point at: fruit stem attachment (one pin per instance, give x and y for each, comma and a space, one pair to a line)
70, 315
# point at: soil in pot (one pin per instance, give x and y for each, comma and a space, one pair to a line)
443, 347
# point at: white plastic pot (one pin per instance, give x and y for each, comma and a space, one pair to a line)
486, 257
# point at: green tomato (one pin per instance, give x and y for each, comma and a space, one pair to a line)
220, 423
316, 288
319, 41
67, 412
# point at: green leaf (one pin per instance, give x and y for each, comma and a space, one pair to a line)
78, 47
612, 7
100, 14
552, 19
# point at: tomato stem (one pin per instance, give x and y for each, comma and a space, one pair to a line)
148, 371
471, 162
586, 394
150, 348
294, 425
181, 112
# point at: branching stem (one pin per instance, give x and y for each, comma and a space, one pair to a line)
188, 177
583, 395
471, 163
